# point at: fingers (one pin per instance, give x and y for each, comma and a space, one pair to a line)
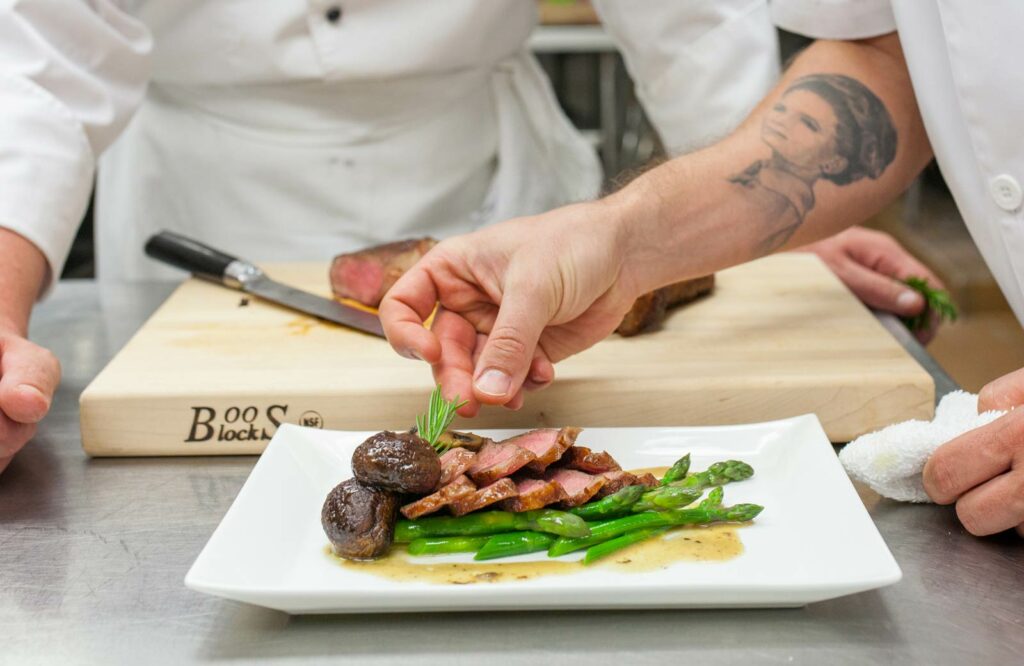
880, 291
405, 308
454, 370
542, 372
974, 458
509, 351
13, 436
29, 376
1004, 393
4, 462
883, 253
994, 506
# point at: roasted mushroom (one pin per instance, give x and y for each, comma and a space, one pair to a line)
402, 462
359, 520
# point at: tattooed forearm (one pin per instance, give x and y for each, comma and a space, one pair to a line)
824, 126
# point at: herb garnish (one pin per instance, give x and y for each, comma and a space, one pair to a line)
439, 416
936, 300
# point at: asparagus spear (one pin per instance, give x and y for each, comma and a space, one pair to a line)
610, 506
444, 545
594, 553
609, 529
560, 523
513, 543
677, 471
717, 474
714, 498
666, 497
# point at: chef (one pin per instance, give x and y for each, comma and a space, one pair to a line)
852, 122
297, 129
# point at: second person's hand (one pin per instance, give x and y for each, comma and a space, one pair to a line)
514, 298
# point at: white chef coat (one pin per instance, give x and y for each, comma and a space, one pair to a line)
296, 129
964, 59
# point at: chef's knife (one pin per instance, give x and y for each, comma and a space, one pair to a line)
205, 262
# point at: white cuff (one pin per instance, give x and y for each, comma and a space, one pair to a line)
46, 169
834, 19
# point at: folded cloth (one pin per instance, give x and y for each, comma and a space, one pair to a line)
891, 460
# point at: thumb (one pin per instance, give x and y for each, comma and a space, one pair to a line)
881, 291
28, 377
1004, 393
509, 350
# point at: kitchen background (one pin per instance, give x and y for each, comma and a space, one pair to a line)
596, 93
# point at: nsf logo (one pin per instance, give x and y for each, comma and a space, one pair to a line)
311, 419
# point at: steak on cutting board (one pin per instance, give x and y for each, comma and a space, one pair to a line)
650, 309
365, 276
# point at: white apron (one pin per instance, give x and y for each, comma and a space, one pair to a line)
303, 171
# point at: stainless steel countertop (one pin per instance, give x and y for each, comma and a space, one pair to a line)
93, 554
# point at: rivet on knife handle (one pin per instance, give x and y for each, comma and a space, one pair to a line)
202, 260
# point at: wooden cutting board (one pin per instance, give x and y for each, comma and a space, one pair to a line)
214, 371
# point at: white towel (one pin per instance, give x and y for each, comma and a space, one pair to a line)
891, 460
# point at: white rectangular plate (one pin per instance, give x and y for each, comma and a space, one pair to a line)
813, 541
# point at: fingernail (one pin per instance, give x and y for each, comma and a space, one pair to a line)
493, 382
908, 300
28, 390
412, 354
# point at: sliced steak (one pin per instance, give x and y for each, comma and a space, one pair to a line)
615, 481
366, 275
454, 463
578, 486
585, 460
497, 491
533, 494
496, 461
650, 309
648, 480
547, 444
460, 487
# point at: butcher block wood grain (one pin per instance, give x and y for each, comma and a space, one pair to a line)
214, 371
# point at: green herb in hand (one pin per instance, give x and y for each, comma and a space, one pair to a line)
936, 300
439, 416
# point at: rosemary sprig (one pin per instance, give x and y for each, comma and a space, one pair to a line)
439, 416
936, 300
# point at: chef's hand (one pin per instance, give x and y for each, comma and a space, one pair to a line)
983, 470
873, 264
28, 377
515, 297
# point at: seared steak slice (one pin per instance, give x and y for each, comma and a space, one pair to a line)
615, 481
578, 486
585, 460
533, 494
460, 487
497, 491
496, 460
454, 463
648, 480
366, 275
649, 310
547, 444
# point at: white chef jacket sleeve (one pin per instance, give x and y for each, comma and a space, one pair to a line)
834, 19
699, 66
71, 74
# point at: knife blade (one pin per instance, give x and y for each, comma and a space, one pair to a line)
210, 264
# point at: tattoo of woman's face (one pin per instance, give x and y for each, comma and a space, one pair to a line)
824, 126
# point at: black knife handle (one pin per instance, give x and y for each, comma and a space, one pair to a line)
190, 255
